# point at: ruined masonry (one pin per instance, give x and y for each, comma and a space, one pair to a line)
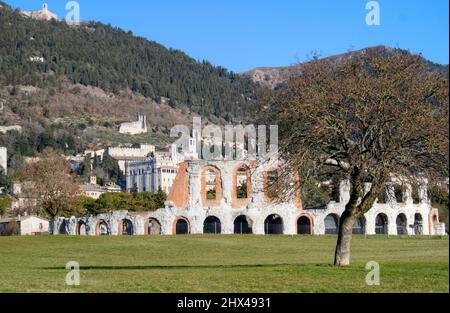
231, 197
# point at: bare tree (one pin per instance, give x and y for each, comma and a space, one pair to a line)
364, 118
48, 179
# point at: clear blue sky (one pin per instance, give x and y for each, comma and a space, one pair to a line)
243, 34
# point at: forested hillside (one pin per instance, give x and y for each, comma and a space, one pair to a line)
39, 53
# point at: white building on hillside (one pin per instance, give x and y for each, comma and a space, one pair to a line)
158, 172
152, 174
45, 14
94, 191
4, 159
135, 128
123, 155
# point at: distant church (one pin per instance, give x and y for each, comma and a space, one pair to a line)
44, 14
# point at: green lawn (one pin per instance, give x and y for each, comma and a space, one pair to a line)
221, 264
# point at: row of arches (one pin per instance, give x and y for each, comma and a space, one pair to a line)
381, 225
273, 225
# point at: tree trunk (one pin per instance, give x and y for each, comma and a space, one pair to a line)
342, 254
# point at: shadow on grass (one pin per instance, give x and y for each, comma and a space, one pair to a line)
180, 267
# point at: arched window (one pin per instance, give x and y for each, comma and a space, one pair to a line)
418, 224
212, 225
273, 225
381, 224
402, 225
272, 188
126, 228
304, 226
331, 224
359, 227
211, 182
81, 229
211, 186
102, 228
154, 227
434, 226
242, 180
243, 225
182, 226
63, 228
398, 192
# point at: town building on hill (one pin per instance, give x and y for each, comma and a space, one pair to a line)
135, 128
44, 15
122, 155
94, 191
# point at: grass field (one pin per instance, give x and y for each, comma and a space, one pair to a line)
221, 264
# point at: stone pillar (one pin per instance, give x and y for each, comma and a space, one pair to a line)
139, 226
407, 195
195, 185
370, 223
344, 191
226, 175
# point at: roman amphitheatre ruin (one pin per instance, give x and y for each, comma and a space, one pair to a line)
232, 197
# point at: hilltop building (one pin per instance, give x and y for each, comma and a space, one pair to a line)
44, 15
135, 128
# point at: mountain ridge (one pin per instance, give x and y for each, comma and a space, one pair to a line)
274, 76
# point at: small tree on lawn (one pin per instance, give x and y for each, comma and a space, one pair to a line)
50, 181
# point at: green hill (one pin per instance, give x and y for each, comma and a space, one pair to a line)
40, 54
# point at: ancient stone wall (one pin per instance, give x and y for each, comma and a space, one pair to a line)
187, 204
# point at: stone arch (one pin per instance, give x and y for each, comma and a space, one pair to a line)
153, 227
331, 222
434, 222
126, 227
102, 228
418, 224
402, 224
181, 226
81, 228
242, 186
381, 224
304, 225
62, 230
243, 225
273, 225
211, 186
359, 226
212, 225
